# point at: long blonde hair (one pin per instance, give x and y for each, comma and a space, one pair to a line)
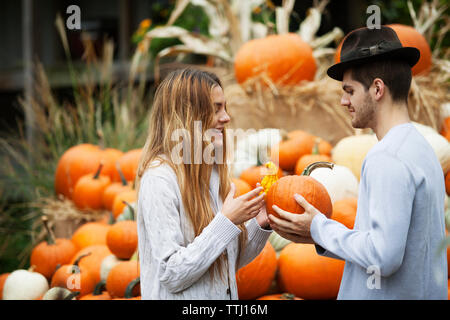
182, 98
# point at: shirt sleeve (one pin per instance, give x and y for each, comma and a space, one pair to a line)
256, 240
179, 266
390, 195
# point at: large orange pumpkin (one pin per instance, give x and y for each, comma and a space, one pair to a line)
47, 255
344, 211
89, 234
409, 37
304, 273
75, 162
285, 58
281, 193
254, 279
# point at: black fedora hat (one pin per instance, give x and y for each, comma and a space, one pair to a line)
365, 45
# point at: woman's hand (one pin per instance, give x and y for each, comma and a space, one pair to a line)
262, 218
244, 207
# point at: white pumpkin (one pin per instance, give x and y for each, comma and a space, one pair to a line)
107, 264
24, 285
278, 242
439, 144
340, 182
247, 149
351, 151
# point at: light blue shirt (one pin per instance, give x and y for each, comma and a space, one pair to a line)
392, 252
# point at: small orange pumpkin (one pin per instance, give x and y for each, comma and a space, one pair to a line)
254, 279
112, 190
74, 277
89, 234
308, 159
287, 152
242, 186
109, 158
88, 191
120, 201
281, 193
47, 255
93, 261
3, 277
122, 239
99, 293
120, 277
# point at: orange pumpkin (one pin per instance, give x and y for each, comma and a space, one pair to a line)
109, 158
93, 261
308, 159
122, 239
255, 174
287, 152
89, 234
47, 255
279, 296
281, 193
409, 37
88, 191
255, 279
242, 186
3, 277
323, 146
285, 58
120, 200
74, 277
76, 162
112, 190
129, 163
445, 129
120, 277
130, 291
304, 273
344, 211
99, 293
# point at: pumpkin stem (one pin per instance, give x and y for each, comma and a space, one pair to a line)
130, 287
284, 135
51, 236
287, 296
97, 173
99, 288
75, 264
72, 295
111, 218
315, 165
129, 207
315, 149
122, 177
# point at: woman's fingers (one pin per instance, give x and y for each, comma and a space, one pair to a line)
251, 194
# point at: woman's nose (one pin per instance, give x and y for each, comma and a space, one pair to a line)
225, 117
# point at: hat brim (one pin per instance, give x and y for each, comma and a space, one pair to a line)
409, 54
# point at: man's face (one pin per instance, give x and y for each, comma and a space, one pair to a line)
358, 102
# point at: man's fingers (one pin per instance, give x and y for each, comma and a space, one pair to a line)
284, 214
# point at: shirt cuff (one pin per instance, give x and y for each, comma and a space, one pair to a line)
256, 233
224, 228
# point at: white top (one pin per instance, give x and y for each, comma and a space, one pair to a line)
393, 250
173, 263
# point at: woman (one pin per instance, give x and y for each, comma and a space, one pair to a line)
192, 231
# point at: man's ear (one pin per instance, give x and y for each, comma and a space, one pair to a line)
378, 89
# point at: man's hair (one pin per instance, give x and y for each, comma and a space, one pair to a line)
396, 75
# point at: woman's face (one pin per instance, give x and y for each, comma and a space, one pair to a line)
221, 117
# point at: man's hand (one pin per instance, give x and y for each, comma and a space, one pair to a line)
292, 226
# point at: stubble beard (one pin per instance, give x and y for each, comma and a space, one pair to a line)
365, 115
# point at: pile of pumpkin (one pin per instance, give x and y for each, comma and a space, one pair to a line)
99, 261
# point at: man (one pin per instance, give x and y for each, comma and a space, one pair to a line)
400, 224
